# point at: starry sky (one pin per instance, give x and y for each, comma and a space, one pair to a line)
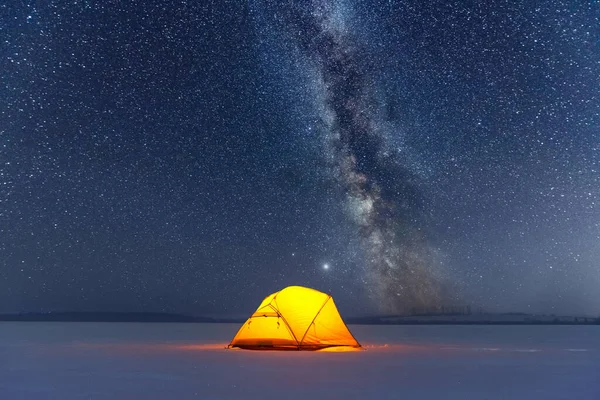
193, 157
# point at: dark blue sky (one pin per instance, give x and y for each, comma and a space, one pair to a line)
196, 156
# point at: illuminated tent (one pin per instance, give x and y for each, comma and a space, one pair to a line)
295, 318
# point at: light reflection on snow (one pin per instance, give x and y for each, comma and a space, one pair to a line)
134, 348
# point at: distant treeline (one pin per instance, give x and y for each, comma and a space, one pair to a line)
441, 310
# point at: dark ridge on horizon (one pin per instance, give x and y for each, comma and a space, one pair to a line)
368, 321
111, 316
481, 319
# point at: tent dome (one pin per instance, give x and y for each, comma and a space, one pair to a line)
295, 318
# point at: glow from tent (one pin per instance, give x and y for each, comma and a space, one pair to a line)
295, 318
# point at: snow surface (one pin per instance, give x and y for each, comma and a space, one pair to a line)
42, 360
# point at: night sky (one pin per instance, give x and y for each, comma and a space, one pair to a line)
195, 156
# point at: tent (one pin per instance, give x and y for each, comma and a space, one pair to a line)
295, 318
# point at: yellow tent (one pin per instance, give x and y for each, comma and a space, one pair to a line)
295, 318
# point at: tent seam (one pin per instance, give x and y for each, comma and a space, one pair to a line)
313, 320
286, 324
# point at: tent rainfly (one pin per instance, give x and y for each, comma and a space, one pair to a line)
295, 318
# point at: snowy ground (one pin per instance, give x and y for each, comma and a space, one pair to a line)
181, 361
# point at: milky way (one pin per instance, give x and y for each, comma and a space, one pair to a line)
382, 194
